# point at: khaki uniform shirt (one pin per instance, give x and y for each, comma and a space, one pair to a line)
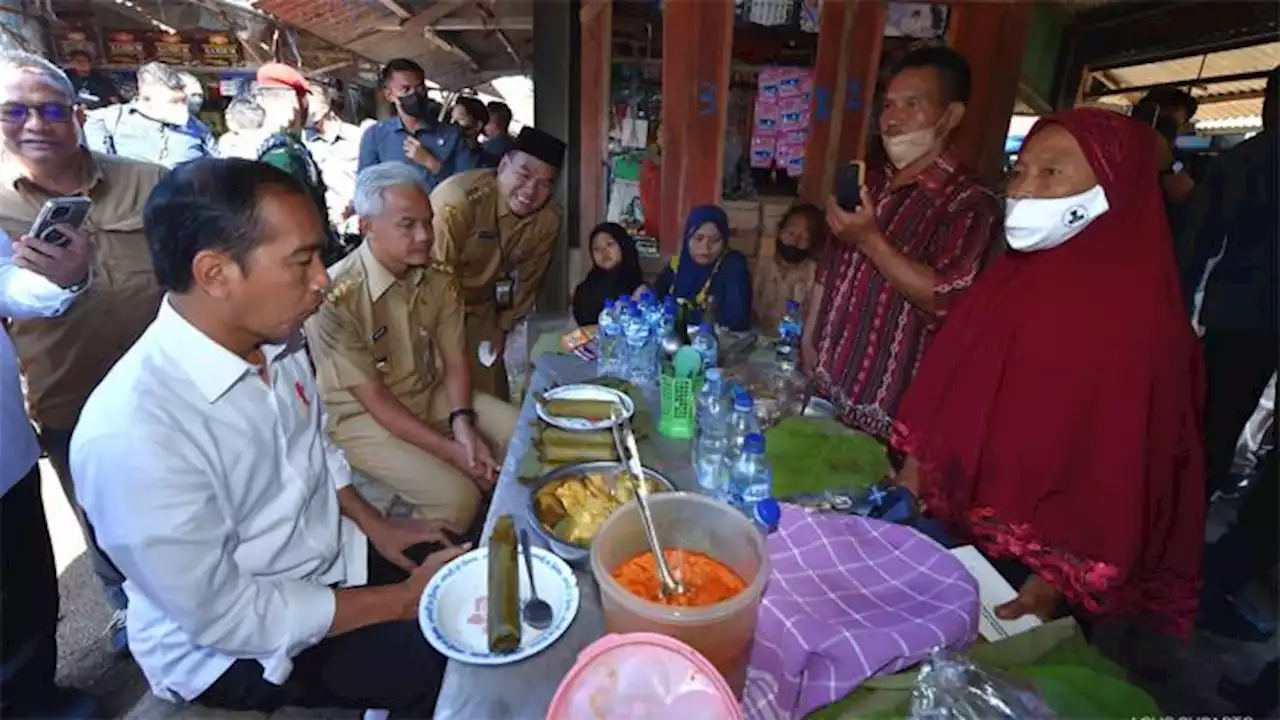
479, 237
66, 357
375, 327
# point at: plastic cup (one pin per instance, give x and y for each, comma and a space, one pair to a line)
723, 632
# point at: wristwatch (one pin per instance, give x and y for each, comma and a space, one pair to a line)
462, 413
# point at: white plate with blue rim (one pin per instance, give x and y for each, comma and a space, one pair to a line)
584, 391
454, 610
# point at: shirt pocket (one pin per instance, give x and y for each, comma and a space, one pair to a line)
122, 256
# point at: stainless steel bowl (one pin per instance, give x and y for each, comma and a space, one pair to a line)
573, 554
819, 408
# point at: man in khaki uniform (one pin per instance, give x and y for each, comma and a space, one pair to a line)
391, 360
497, 230
65, 358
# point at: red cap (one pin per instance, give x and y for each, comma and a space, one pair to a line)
279, 75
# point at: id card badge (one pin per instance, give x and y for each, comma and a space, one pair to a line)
504, 292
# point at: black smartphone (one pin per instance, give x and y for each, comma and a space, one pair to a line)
849, 180
71, 211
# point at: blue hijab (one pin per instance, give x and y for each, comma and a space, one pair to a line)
730, 279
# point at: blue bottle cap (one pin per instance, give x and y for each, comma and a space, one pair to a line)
742, 400
706, 328
753, 443
646, 295
793, 305
669, 302
768, 514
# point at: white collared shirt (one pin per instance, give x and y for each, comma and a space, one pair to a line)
215, 493
23, 295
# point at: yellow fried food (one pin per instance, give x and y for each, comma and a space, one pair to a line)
574, 508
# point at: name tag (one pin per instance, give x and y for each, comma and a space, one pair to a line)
377, 334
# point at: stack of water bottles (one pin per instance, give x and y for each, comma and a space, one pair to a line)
790, 328
630, 337
729, 451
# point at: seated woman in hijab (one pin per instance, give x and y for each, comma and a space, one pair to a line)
615, 272
707, 274
788, 275
1055, 421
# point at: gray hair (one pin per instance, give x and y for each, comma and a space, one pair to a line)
16, 61
245, 114
161, 75
190, 82
374, 181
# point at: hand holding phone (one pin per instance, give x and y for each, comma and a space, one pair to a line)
850, 178
71, 211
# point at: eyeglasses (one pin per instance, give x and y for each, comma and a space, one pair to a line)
18, 113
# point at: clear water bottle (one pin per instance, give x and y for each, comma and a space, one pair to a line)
641, 370
767, 515
652, 311
710, 449
742, 422
790, 327
751, 479
707, 346
609, 339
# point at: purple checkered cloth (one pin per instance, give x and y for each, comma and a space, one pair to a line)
850, 598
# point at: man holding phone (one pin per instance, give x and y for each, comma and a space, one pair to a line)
65, 357
908, 241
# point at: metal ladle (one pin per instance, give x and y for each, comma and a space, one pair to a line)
624, 440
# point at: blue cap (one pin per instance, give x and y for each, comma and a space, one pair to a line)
742, 400
610, 302
793, 305
768, 514
706, 328
753, 443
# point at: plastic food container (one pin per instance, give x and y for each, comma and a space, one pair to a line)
722, 632
642, 676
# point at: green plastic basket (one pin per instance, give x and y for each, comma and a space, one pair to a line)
679, 402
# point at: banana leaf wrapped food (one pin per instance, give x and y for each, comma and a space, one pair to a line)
504, 588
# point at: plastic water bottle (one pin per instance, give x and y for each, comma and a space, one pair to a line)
710, 450
767, 515
652, 312
742, 422
610, 335
640, 356
751, 479
790, 327
707, 346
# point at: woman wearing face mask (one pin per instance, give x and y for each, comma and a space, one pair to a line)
709, 275
615, 272
1055, 421
788, 275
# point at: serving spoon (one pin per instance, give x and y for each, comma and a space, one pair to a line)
624, 439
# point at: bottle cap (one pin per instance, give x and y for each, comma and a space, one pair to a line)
705, 328
646, 296
713, 374
753, 443
768, 514
793, 305
742, 400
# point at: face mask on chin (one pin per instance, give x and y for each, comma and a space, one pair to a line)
906, 148
1032, 224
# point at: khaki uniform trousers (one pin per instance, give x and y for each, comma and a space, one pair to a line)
436, 489
480, 322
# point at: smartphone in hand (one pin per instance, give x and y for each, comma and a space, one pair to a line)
848, 187
72, 210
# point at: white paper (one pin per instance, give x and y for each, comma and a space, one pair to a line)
486, 354
993, 590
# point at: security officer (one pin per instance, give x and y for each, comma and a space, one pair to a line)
497, 229
391, 361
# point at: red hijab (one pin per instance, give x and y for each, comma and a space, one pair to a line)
1056, 418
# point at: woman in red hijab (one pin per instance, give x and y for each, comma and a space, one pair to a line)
1055, 420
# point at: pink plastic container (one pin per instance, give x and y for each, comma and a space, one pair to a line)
642, 676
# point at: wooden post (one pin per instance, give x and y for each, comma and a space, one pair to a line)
596, 22
697, 45
992, 36
849, 43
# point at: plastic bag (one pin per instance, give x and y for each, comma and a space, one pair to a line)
950, 687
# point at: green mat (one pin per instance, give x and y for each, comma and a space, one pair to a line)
1073, 677
812, 455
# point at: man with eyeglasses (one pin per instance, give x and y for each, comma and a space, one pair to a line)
66, 357
415, 135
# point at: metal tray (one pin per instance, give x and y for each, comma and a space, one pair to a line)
573, 554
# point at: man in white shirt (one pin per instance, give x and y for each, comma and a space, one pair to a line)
203, 465
36, 280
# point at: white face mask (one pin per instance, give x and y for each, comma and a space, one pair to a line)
906, 148
1032, 224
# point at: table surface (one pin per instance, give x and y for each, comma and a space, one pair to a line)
524, 689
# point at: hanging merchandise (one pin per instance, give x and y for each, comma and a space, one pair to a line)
770, 12
810, 11
781, 126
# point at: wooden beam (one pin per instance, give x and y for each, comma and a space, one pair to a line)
1212, 80
596, 49
461, 24
697, 44
862, 70
825, 110
992, 36
396, 9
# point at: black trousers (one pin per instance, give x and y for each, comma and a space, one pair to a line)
1239, 364
28, 602
1250, 547
387, 666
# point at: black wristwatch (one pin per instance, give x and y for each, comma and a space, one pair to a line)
462, 413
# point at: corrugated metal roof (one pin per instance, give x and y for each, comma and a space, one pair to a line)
1221, 103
